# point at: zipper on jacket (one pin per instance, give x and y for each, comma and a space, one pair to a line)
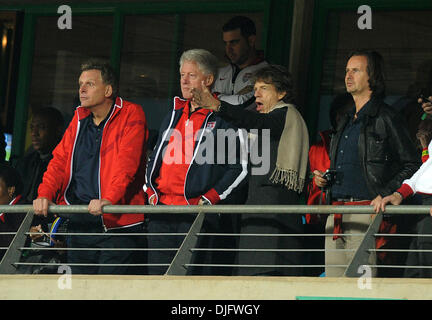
165, 133
195, 152
72, 161
99, 171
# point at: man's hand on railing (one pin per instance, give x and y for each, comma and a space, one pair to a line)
40, 206
95, 206
394, 199
376, 203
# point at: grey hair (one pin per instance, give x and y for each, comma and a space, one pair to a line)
205, 60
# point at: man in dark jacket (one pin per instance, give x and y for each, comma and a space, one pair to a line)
192, 164
46, 130
371, 154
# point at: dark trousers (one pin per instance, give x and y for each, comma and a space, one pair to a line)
272, 225
163, 247
110, 240
424, 226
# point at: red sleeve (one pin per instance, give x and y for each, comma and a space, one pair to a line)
59, 166
212, 196
405, 190
129, 159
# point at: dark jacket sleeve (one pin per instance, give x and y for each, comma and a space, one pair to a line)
245, 119
404, 151
235, 168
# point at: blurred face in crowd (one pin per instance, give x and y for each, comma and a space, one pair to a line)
93, 91
6, 194
356, 77
191, 77
266, 96
43, 134
238, 49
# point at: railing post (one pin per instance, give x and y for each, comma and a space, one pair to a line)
362, 254
184, 253
13, 254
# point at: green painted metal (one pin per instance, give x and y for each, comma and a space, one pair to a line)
278, 24
117, 41
147, 7
23, 89
176, 49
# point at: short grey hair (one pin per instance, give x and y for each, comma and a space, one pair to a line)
205, 60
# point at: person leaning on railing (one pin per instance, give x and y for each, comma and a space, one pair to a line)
371, 154
419, 183
99, 161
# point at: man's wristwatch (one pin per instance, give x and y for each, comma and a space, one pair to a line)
397, 193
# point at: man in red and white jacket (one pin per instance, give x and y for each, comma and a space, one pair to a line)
185, 168
99, 161
420, 183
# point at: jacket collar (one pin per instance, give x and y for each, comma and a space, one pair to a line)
83, 112
180, 103
371, 107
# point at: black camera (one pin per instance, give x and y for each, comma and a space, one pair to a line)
330, 176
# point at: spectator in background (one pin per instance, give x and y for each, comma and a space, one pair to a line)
285, 156
408, 105
419, 183
99, 161
46, 130
10, 194
371, 154
319, 151
233, 83
176, 173
319, 160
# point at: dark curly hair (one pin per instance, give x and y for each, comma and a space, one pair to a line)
278, 76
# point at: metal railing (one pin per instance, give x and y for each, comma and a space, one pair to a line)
183, 257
